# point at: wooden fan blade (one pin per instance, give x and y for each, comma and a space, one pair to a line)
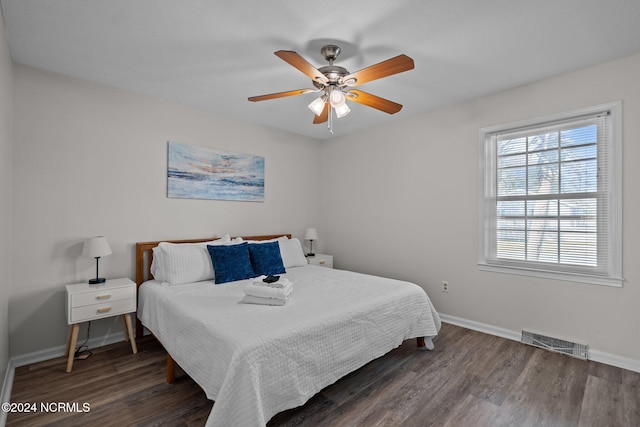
297, 61
280, 95
373, 101
386, 68
323, 117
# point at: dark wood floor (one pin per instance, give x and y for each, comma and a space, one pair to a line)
470, 379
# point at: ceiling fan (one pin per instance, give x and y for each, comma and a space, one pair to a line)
336, 84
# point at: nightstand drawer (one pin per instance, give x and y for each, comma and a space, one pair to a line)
322, 260
98, 311
102, 296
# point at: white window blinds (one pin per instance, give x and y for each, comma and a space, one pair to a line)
549, 203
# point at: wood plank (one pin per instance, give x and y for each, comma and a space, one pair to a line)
502, 371
545, 392
609, 403
473, 412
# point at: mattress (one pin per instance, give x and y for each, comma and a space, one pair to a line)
257, 360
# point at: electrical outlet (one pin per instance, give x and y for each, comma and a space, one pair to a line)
445, 286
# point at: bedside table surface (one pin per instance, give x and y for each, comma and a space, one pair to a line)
109, 284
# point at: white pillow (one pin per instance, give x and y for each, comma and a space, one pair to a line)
178, 263
291, 253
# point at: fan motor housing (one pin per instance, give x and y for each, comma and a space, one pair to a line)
334, 73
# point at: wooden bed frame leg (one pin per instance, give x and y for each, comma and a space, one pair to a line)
171, 369
425, 343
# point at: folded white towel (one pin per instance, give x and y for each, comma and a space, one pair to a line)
281, 283
257, 290
250, 299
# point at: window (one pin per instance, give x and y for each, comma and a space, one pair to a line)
550, 196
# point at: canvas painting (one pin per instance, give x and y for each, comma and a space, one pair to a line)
196, 172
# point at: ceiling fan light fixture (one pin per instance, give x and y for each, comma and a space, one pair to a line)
342, 110
317, 105
336, 98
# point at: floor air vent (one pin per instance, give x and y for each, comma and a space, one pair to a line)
581, 351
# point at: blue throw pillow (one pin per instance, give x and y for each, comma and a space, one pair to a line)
266, 258
231, 262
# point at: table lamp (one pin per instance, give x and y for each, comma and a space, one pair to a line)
96, 247
311, 234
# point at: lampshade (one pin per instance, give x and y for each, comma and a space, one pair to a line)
339, 104
317, 105
336, 98
95, 247
311, 234
342, 110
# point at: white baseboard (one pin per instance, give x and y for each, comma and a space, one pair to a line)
7, 385
614, 360
595, 355
52, 353
481, 327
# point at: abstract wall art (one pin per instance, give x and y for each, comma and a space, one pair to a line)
195, 172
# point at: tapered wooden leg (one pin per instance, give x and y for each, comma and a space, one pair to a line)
124, 327
420, 341
129, 333
66, 353
72, 346
171, 369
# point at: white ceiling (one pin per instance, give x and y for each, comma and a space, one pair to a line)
213, 54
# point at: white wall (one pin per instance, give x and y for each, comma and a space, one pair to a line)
402, 201
6, 96
91, 160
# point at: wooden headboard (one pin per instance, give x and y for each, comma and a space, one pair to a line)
144, 257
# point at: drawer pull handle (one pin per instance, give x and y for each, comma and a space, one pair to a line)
103, 296
322, 262
104, 310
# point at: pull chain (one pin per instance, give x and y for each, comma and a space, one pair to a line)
330, 121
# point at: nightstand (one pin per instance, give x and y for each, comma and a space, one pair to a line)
85, 302
321, 260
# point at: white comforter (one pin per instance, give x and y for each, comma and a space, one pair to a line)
256, 360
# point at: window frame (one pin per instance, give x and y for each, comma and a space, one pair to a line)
613, 256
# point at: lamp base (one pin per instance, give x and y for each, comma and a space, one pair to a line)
310, 255
97, 281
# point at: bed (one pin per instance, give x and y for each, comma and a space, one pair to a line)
255, 361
